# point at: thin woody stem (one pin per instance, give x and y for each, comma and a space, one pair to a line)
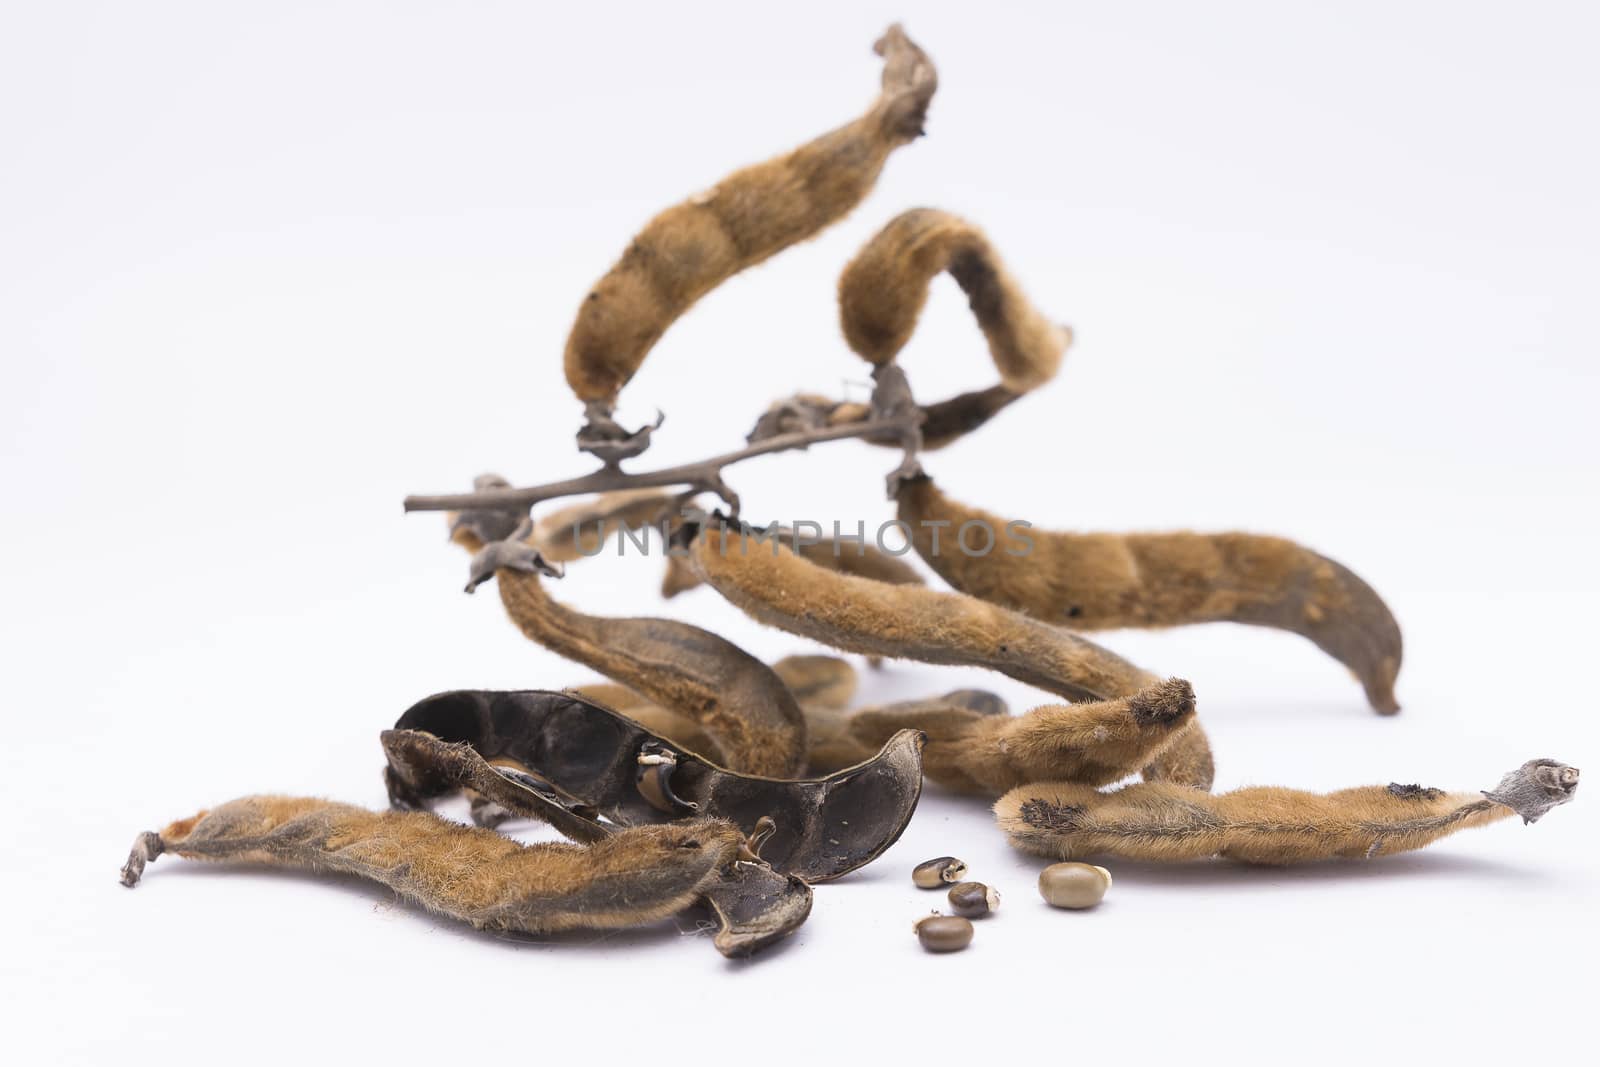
707, 473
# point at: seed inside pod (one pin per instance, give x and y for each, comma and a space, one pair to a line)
973, 900
1073, 885
937, 873
944, 933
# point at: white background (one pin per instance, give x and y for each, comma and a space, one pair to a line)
267, 268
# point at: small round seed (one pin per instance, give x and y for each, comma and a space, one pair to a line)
1073, 885
973, 900
937, 873
944, 933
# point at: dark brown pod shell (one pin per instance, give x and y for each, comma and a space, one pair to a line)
590, 759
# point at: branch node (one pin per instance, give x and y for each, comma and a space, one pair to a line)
513, 553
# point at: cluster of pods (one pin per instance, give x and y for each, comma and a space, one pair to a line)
702, 777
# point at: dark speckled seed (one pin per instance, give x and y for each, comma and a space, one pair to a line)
938, 873
973, 900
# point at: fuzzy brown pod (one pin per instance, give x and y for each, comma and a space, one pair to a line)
1092, 743
582, 529
754, 906
603, 764
884, 289
942, 423
627, 878
740, 702
1097, 581
687, 250
775, 586
821, 685
836, 737
1266, 824
847, 555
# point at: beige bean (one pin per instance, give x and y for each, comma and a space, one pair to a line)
937, 873
1073, 885
944, 933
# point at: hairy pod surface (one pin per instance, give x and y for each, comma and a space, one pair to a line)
1091, 743
756, 723
1096, 581
596, 761
475, 875
691, 248
773, 585
1265, 824
839, 738
754, 905
884, 289
942, 422
821, 685
582, 529
845, 555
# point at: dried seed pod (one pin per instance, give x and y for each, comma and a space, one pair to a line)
689, 249
1092, 743
1110, 581
775, 586
1185, 761
973, 900
423, 765
1073, 885
937, 873
1265, 824
943, 933
883, 290
821, 685
669, 725
582, 529
492, 882
818, 680
753, 904
942, 423
845, 555
597, 762
741, 703
677, 577
860, 615
838, 738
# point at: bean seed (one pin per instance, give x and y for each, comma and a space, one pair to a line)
973, 900
944, 933
1073, 885
936, 873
